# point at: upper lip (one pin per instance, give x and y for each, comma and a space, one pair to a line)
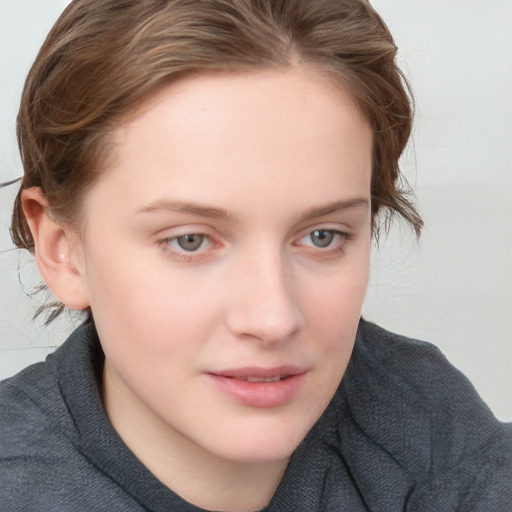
260, 372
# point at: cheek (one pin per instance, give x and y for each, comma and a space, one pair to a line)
335, 304
334, 311
148, 305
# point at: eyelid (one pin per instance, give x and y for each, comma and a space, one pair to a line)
333, 251
336, 227
335, 232
166, 237
204, 243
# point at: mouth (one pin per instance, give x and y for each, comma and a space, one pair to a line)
256, 374
260, 387
268, 379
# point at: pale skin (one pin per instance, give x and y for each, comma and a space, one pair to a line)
269, 175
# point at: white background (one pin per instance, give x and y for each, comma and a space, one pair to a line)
454, 286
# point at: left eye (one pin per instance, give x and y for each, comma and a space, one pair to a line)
321, 238
189, 243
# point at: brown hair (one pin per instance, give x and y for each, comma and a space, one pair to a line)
104, 57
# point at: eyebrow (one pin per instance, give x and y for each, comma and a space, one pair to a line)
190, 208
200, 210
337, 206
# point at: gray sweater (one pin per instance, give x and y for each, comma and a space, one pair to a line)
404, 432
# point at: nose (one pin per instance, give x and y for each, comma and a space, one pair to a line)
264, 305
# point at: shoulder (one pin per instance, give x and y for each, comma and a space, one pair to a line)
34, 411
425, 418
415, 373
33, 420
50, 416
28, 403
31, 439
42, 466
411, 381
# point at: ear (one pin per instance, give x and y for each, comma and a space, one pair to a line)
58, 252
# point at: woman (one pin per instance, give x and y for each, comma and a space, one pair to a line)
203, 179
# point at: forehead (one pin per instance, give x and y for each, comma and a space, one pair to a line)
261, 95
225, 135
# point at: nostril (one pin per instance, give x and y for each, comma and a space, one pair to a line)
272, 326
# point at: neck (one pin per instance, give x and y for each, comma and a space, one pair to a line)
223, 485
198, 476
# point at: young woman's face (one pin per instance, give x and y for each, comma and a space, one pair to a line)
226, 258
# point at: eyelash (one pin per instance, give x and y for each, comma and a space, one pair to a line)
183, 254
188, 256
341, 235
336, 248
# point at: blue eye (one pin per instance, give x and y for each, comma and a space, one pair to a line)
322, 237
190, 247
325, 240
191, 242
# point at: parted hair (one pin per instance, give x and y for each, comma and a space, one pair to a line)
103, 58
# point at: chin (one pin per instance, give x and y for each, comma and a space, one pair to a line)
257, 444
261, 454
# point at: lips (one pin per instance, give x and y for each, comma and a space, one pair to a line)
259, 387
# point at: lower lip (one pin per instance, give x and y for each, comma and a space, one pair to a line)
259, 394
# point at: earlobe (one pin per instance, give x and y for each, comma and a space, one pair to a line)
56, 251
